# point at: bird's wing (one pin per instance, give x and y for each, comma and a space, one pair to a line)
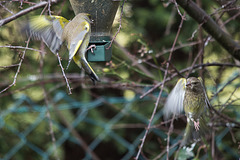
58, 25
44, 28
76, 43
80, 59
174, 103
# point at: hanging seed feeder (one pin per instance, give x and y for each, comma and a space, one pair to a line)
102, 13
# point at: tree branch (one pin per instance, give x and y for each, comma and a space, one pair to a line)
231, 5
187, 69
23, 12
211, 27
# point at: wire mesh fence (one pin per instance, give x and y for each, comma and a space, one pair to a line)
108, 132
157, 42
36, 115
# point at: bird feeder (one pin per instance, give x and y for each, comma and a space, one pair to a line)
102, 13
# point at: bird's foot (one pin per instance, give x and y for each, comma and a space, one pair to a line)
196, 125
91, 48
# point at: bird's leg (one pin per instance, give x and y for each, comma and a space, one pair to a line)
21, 3
91, 47
196, 124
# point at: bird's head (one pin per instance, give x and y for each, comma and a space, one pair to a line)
85, 16
194, 84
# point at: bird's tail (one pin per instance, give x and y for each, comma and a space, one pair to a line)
89, 70
192, 135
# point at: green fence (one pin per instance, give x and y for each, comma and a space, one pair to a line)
122, 129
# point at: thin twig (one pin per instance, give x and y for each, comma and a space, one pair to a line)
160, 93
76, 135
162, 153
134, 60
168, 136
120, 25
187, 69
223, 116
13, 65
22, 12
194, 61
170, 22
18, 69
165, 51
211, 27
48, 115
63, 73
179, 12
220, 90
213, 143
49, 8
30, 3
21, 47
6, 8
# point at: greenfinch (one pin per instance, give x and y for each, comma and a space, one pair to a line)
55, 30
188, 95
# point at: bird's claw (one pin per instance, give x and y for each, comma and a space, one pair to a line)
196, 125
91, 48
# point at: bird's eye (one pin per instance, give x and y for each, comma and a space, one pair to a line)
89, 16
86, 26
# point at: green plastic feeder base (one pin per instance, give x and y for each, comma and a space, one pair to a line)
101, 53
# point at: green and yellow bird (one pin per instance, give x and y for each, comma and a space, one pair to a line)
55, 30
188, 95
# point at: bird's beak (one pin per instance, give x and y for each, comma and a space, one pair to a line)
189, 84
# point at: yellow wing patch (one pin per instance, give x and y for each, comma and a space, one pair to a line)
62, 21
87, 27
183, 82
76, 60
77, 47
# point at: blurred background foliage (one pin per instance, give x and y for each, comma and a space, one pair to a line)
110, 116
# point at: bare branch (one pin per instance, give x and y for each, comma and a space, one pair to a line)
18, 69
13, 65
168, 136
134, 60
64, 75
21, 47
120, 25
160, 93
48, 115
23, 12
231, 5
76, 135
211, 27
187, 69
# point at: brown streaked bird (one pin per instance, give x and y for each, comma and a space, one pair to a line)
188, 95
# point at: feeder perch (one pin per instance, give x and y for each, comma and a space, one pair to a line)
102, 13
